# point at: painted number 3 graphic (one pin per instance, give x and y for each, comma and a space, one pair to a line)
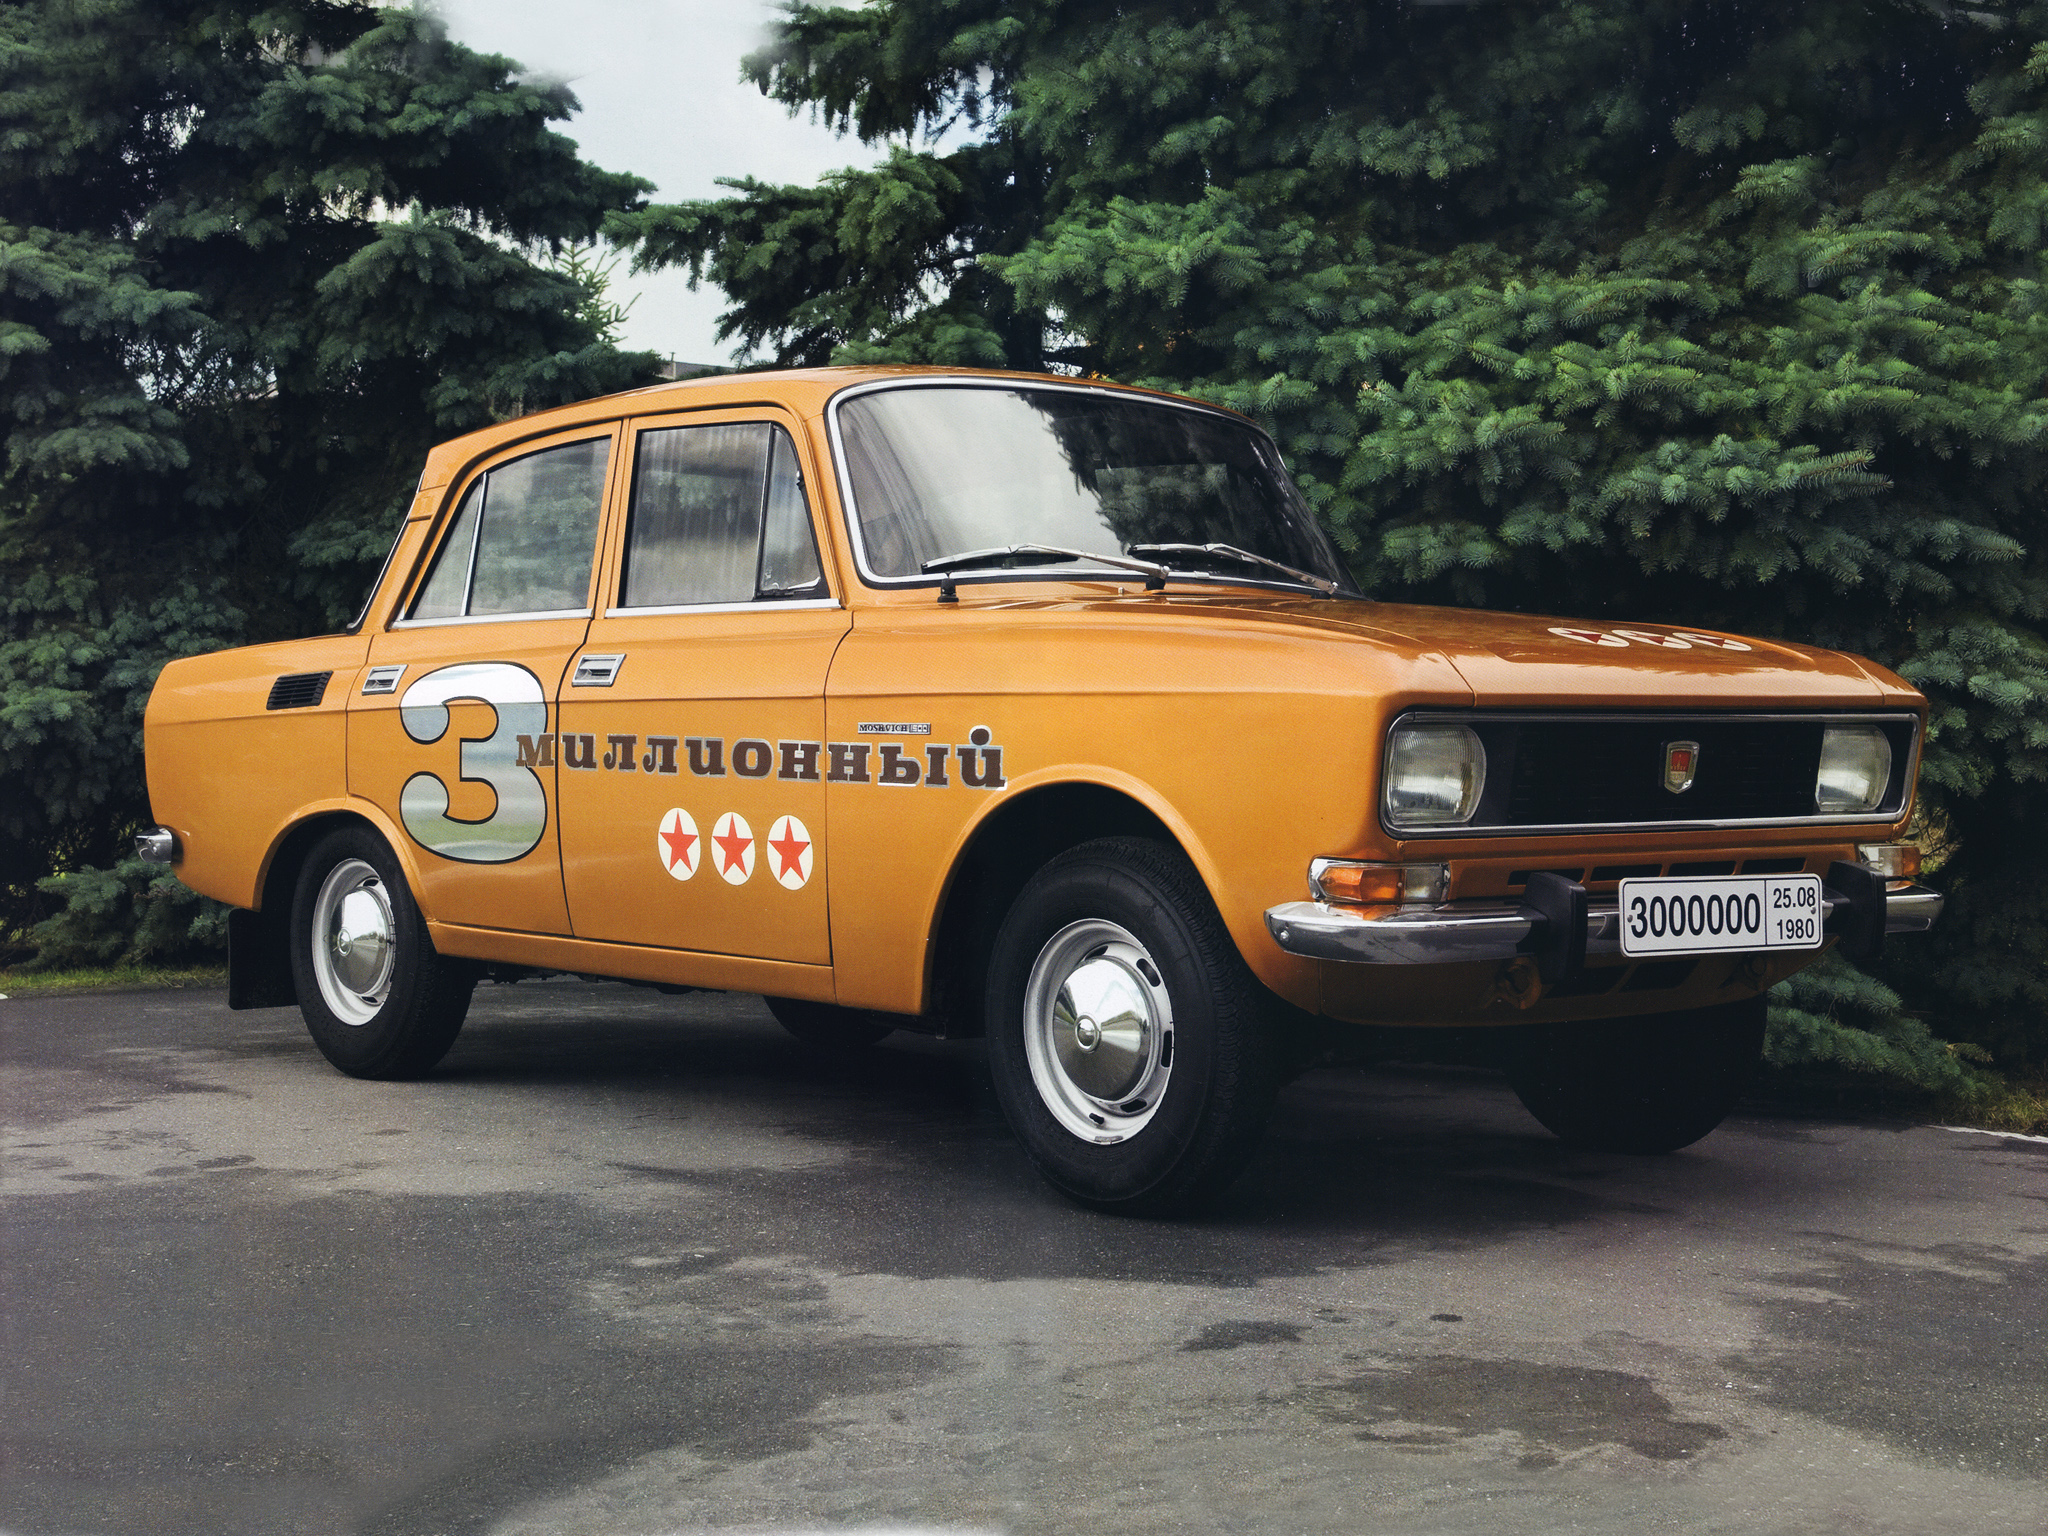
514, 827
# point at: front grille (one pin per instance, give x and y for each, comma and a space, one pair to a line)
1595, 771
298, 690
1590, 771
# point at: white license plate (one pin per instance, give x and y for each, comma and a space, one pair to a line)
1700, 917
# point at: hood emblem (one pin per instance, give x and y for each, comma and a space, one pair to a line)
1681, 764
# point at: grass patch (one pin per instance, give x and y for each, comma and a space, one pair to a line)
2005, 1104
111, 978
1994, 1101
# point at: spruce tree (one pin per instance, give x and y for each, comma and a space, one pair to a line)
254, 259
1715, 312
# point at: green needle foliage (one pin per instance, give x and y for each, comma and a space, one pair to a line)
1720, 312
254, 259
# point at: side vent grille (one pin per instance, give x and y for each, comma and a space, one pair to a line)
298, 690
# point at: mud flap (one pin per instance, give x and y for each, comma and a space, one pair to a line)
259, 961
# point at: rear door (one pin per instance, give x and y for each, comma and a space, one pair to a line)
451, 732
691, 761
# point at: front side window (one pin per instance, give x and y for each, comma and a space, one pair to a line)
718, 517
523, 539
940, 471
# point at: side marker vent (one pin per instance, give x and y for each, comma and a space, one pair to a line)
298, 690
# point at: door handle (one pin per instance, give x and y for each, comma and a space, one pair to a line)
597, 671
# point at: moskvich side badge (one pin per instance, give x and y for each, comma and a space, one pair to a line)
1681, 764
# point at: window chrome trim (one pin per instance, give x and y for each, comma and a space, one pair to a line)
850, 514
384, 570
491, 618
1435, 716
780, 604
465, 475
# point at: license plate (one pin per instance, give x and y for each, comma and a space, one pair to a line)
1700, 917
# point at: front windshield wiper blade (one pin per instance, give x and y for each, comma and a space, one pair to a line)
1035, 554
1321, 584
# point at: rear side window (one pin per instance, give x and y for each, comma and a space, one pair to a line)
523, 538
718, 516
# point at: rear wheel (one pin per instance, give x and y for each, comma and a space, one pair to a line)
1132, 1050
1649, 1084
378, 1001
829, 1026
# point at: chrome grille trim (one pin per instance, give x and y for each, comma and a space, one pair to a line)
1894, 807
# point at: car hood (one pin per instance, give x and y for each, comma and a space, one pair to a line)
1512, 659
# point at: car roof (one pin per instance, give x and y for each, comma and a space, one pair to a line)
802, 390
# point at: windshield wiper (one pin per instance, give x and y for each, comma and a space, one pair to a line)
1231, 552
1034, 554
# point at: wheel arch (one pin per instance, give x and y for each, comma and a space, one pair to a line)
288, 849
259, 937
1038, 821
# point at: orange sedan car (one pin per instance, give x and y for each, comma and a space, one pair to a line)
988, 704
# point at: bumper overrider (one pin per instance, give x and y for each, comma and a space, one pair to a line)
1556, 924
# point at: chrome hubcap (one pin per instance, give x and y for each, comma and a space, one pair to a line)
1098, 1031
355, 946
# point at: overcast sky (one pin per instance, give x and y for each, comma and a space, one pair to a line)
659, 82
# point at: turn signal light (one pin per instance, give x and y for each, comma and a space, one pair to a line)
1350, 881
1895, 861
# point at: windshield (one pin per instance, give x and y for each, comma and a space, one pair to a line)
944, 470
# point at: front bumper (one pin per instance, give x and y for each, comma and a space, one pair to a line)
1500, 930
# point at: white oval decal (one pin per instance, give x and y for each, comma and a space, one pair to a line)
1589, 636
732, 842
1644, 637
789, 845
1712, 642
677, 844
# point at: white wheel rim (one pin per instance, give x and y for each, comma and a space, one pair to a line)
354, 939
1098, 1031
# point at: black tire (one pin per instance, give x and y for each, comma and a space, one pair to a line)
1161, 1109
828, 1026
384, 1009
1647, 1084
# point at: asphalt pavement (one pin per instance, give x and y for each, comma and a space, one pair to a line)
632, 1263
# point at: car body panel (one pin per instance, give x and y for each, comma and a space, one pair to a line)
230, 776
1248, 720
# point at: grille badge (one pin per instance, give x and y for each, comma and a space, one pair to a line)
1681, 765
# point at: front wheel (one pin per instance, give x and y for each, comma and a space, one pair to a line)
1648, 1084
378, 1001
1133, 1052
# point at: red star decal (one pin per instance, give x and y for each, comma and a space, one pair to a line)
679, 845
789, 852
732, 848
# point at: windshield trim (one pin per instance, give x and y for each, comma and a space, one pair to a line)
850, 513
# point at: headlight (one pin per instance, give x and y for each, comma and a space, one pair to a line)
1434, 776
1855, 769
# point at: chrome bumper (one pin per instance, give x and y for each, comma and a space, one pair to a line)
158, 845
1500, 930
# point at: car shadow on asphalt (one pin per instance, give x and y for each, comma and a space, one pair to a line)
917, 1173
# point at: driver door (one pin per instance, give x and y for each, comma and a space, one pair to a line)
692, 763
